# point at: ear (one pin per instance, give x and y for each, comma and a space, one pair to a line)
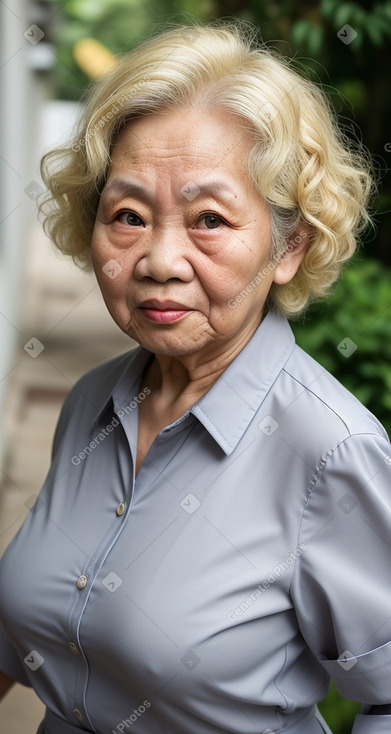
296, 248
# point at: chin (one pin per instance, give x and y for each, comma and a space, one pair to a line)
173, 340
169, 345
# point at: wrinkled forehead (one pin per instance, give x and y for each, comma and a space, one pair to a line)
208, 150
189, 133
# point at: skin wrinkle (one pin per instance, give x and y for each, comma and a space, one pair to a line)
129, 187
189, 249
243, 125
175, 365
286, 116
208, 263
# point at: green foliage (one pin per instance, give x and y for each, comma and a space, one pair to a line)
355, 74
373, 22
309, 28
118, 24
338, 712
360, 309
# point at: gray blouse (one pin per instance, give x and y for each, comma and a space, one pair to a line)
217, 592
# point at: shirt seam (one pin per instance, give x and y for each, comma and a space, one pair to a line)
308, 390
319, 470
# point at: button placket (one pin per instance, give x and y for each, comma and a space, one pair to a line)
84, 585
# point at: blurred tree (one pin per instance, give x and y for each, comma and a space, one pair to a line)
343, 45
350, 334
338, 712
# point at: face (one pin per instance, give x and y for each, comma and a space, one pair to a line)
180, 231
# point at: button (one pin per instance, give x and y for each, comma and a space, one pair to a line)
81, 582
74, 648
78, 714
121, 509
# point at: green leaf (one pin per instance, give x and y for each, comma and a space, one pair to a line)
354, 90
315, 39
359, 308
328, 7
344, 14
374, 31
301, 31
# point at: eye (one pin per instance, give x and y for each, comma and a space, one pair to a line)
130, 218
210, 221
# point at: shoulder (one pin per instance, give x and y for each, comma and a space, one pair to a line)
318, 409
97, 384
91, 393
105, 376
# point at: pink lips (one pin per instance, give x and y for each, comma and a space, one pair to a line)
164, 312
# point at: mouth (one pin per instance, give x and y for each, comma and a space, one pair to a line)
164, 312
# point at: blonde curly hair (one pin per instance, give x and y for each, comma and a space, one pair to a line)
301, 162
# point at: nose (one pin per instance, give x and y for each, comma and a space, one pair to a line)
165, 257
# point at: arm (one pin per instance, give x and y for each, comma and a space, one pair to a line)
12, 669
5, 684
342, 583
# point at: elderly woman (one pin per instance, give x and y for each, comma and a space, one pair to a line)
212, 542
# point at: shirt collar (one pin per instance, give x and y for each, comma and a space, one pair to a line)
231, 403
122, 382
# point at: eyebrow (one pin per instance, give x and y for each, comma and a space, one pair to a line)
128, 187
125, 187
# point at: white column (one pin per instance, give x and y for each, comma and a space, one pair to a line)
17, 111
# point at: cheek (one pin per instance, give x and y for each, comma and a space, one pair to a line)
224, 281
111, 271
238, 288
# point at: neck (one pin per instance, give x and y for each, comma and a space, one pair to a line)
181, 381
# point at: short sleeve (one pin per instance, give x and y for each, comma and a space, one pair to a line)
342, 583
10, 663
